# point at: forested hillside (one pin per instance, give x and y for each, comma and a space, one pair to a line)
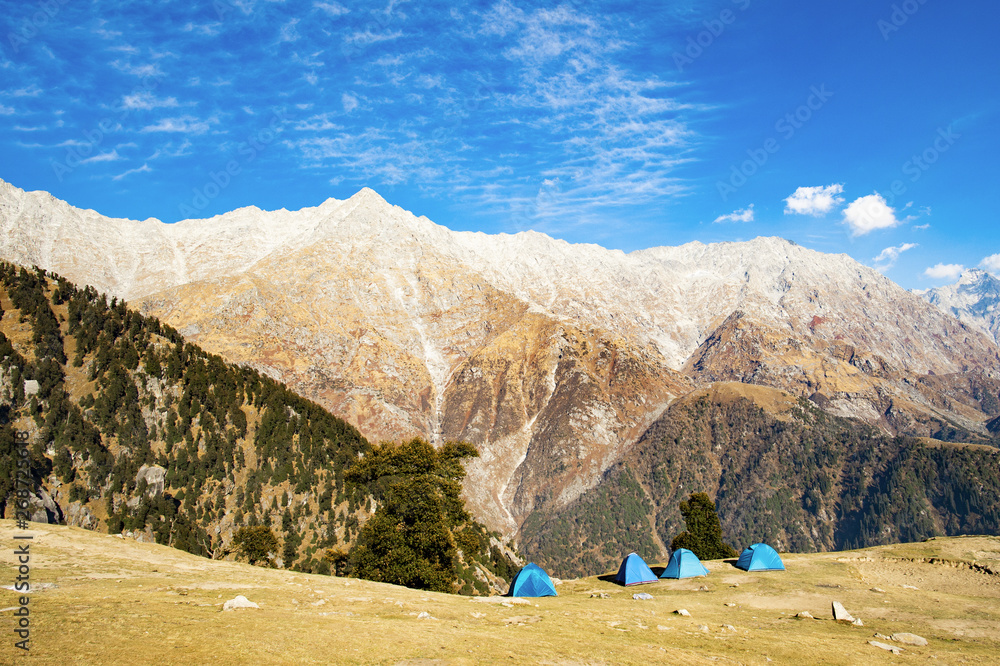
133, 429
795, 477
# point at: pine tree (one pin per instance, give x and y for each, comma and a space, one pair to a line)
704, 532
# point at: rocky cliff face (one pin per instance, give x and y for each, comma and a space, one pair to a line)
552, 358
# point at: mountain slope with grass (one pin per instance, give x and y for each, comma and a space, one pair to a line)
133, 429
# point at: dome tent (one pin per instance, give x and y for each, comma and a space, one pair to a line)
684, 564
532, 581
759, 557
634, 571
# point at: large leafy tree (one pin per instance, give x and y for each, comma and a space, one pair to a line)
410, 539
256, 543
704, 532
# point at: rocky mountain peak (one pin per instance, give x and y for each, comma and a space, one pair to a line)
974, 299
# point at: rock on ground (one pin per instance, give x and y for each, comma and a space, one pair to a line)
840, 613
239, 602
909, 639
891, 648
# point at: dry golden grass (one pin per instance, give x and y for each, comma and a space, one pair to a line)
116, 601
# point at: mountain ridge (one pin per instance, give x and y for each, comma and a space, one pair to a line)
552, 358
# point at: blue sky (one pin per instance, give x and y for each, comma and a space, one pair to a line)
852, 126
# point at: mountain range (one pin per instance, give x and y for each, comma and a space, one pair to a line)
553, 359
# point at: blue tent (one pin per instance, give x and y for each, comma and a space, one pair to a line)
759, 557
532, 581
634, 571
684, 564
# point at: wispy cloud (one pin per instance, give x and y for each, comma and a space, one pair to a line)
145, 101
143, 169
127, 67
741, 215
6, 110
288, 31
887, 258
186, 124
332, 9
113, 156
204, 29
27, 91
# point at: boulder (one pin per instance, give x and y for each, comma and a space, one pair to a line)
239, 602
889, 648
30, 387
840, 613
909, 639
682, 612
806, 615
155, 478
642, 596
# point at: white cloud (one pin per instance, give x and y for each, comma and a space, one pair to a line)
815, 201
137, 70
181, 124
886, 259
991, 264
945, 271
145, 101
27, 91
317, 123
332, 9
143, 169
206, 29
6, 110
741, 215
288, 31
113, 156
349, 101
869, 213
368, 37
